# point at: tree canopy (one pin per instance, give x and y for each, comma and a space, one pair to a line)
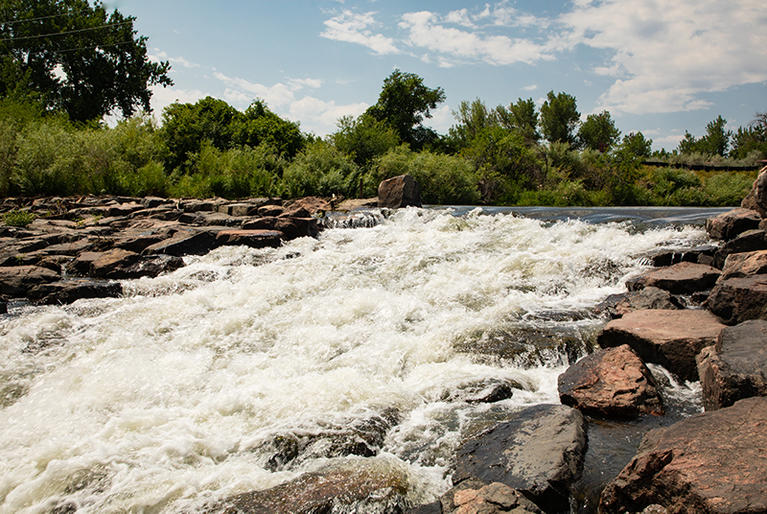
559, 117
716, 141
404, 102
75, 57
598, 132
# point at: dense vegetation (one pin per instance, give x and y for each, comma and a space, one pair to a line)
51, 144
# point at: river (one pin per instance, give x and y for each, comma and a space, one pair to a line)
171, 397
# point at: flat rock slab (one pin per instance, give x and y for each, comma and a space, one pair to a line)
185, 243
251, 238
68, 291
739, 299
538, 452
681, 278
729, 224
712, 462
611, 383
669, 338
374, 485
647, 298
110, 264
15, 281
736, 367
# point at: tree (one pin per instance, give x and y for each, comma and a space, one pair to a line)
364, 138
76, 57
520, 116
715, 142
636, 145
598, 132
559, 117
472, 119
403, 104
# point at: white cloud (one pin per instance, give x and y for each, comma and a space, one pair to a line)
354, 27
425, 30
320, 116
441, 119
531, 87
159, 55
306, 82
460, 17
277, 95
164, 96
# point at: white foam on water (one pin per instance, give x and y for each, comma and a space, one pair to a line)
159, 400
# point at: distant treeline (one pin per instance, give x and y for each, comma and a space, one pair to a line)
511, 154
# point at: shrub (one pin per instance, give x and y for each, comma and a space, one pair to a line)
18, 218
321, 169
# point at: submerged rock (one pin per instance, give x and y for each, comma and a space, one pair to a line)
358, 485
250, 238
669, 338
483, 391
736, 367
712, 462
612, 383
539, 452
399, 191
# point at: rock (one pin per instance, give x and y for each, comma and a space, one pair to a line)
71, 290
748, 241
110, 264
238, 209
358, 485
307, 206
612, 383
744, 264
682, 278
16, 280
353, 204
729, 224
185, 242
251, 238
3, 307
669, 338
208, 219
399, 191
736, 367
166, 213
150, 202
739, 299
195, 205
73, 248
490, 499
270, 210
756, 199
539, 452
700, 254
646, 298
712, 462
291, 228
483, 391
154, 265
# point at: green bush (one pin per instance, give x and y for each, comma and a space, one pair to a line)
18, 218
321, 169
726, 189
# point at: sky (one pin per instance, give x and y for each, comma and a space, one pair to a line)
662, 67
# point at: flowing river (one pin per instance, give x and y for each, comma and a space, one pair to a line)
174, 396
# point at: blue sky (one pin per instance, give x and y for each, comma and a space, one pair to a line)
658, 66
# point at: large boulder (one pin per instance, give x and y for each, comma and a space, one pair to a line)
729, 224
358, 485
739, 299
712, 462
681, 278
17, 280
669, 338
736, 367
748, 241
539, 452
610, 383
399, 191
756, 199
744, 264
110, 264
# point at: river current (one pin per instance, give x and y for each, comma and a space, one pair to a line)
170, 397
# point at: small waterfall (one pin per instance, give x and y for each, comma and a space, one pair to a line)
354, 219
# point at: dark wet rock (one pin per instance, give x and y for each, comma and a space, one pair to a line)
110, 264
399, 191
71, 290
744, 264
154, 265
749, 241
669, 338
487, 499
729, 224
712, 462
483, 391
700, 254
3, 307
207, 219
251, 238
539, 452
611, 383
647, 298
756, 199
359, 485
739, 299
429, 508
682, 278
736, 367
292, 228
138, 242
185, 242
15, 281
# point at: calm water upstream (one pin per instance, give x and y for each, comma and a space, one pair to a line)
166, 398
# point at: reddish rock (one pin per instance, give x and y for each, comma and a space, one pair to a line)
15, 281
756, 199
487, 499
612, 383
744, 264
669, 338
110, 264
399, 191
270, 210
682, 278
729, 224
739, 299
307, 206
251, 238
736, 367
712, 462
748, 241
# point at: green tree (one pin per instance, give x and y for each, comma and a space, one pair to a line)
259, 125
76, 57
364, 138
716, 141
520, 116
403, 104
636, 145
598, 132
752, 140
559, 117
